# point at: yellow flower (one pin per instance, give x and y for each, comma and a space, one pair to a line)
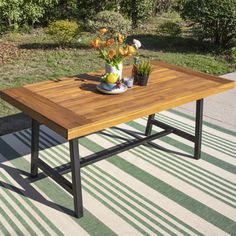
102, 31
110, 42
111, 53
123, 52
131, 50
120, 38
96, 43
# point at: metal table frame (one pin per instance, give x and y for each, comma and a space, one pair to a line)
76, 163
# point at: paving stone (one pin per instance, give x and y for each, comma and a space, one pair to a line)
219, 109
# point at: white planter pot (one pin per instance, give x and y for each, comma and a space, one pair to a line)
113, 69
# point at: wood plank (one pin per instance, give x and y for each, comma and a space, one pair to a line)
143, 111
41, 109
73, 107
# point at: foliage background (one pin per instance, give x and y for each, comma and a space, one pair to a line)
213, 20
19, 13
29, 55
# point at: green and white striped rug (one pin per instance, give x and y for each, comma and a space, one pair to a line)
143, 191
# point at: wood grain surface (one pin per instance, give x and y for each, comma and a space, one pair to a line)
73, 107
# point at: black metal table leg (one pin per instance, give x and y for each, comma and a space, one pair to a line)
198, 129
76, 164
149, 125
76, 177
34, 148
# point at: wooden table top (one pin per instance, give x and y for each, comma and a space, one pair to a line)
72, 107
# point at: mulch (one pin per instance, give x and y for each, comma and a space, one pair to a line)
8, 52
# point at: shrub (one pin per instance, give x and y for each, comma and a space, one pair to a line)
169, 28
63, 31
213, 20
62, 10
233, 53
165, 5
141, 10
111, 20
89, 8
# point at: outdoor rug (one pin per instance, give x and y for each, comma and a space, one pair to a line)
143, 191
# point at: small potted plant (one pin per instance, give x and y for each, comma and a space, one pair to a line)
142, 72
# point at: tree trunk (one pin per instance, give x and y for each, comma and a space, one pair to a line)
155, 4
134, 15
9, 22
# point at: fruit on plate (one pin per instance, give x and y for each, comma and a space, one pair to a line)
107, 86
110, 78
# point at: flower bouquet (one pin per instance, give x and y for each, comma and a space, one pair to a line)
113, 50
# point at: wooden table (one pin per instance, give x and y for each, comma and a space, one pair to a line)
73, 108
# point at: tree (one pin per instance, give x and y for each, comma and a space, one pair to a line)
34, 10
64, 9
89, 8
11, 12
213, 20
137, 10
164, 5
20, 12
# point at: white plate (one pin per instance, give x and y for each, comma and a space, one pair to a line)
122, 89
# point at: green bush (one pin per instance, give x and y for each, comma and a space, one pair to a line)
141, 10
63, 31
62, 10
213, 20
89, 8
161, 6
233, 53
111, 20
169, 28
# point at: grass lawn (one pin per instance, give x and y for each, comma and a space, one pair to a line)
39, 59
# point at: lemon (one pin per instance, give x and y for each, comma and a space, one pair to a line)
112, 78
